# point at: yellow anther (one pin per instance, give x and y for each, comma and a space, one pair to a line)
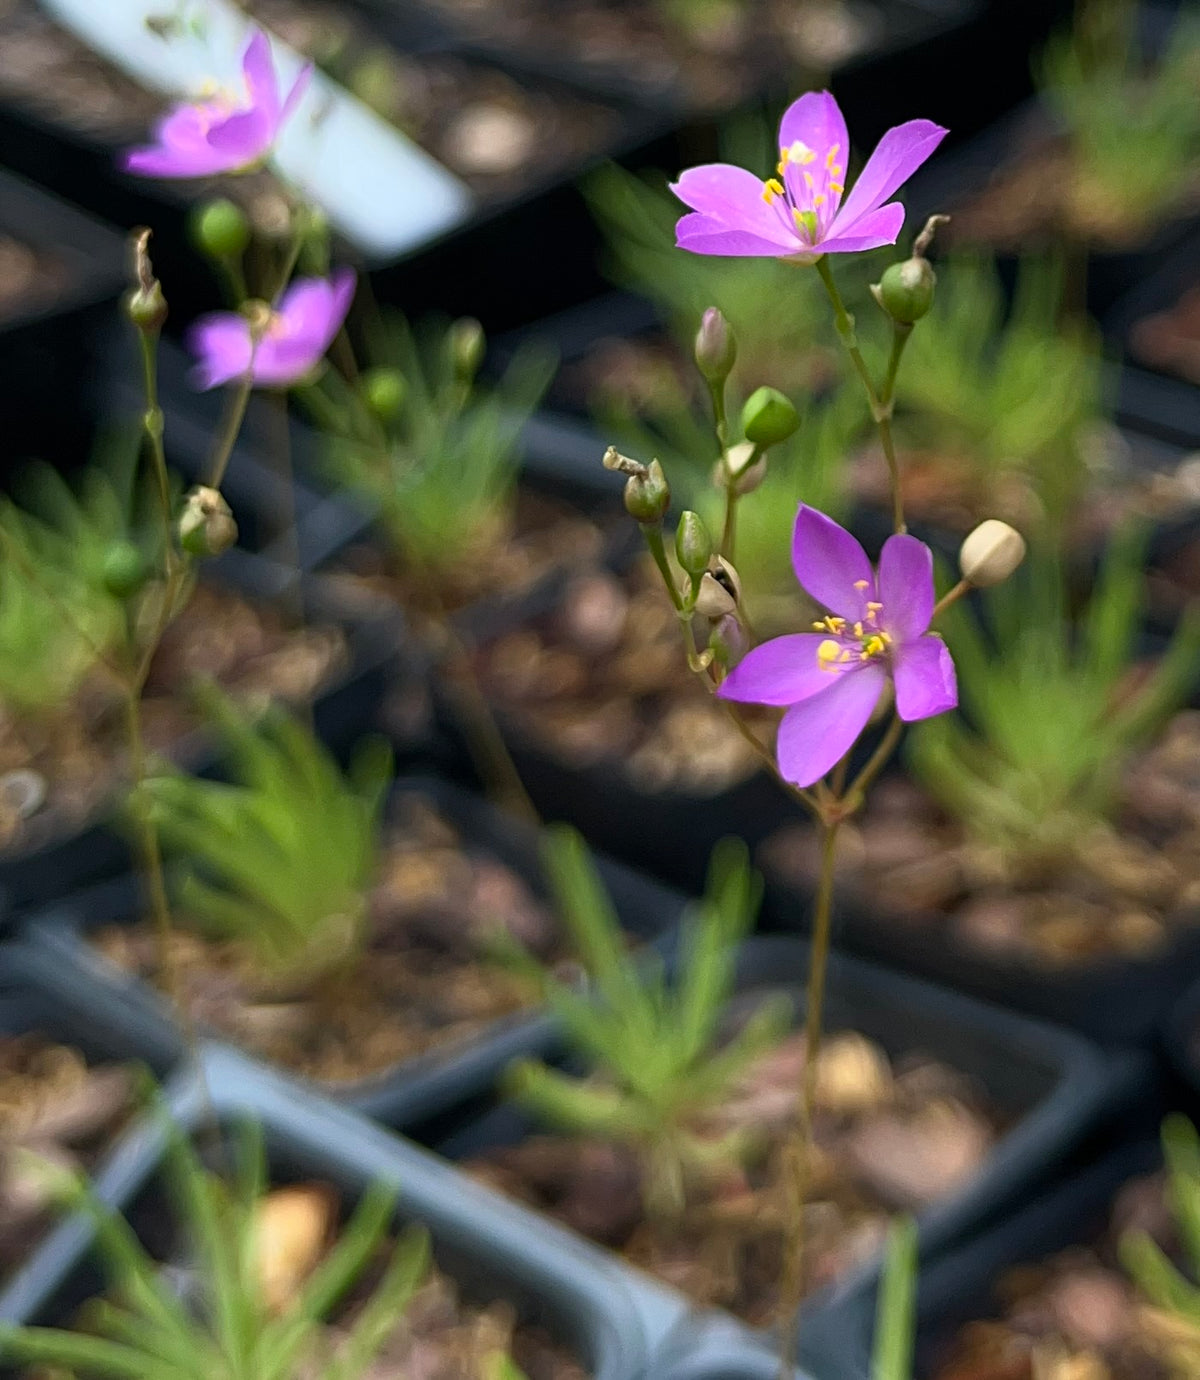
797, 152
858, 630
808, 180
819, 199
873, 645
828, 652
838, 187
771, 189
862, 584
836, 622
831, 156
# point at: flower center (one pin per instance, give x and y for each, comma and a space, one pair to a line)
809, 199
851, 644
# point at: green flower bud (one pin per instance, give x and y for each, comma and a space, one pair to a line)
466, 343
905, 291
219, 228
693, 545
384, 390
124, 571
728, 641
768, 418
716, 347
146, 307
647, 496
990, 553
206, 525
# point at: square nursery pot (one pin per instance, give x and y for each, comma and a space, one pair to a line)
1053, 1087
415, 1090
61, 272
959, 1288
612, 1322
344, 708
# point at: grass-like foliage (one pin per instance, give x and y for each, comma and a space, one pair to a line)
61, 545
655, 1044
438, 457
281, 859
896, 1309
1173, 1318
230, 1329
1132, 118
1051, 707
1001, 390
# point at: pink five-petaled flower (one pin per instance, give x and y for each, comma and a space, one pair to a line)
799, 214
291, 341
878, 629
219, 135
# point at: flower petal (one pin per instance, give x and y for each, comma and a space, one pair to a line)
816, 180
926, 683
906, 587
221, 344
243, 138
830, 565
782, 671
815, 735
258, 70
868, 232
897, 156
815, 120
297, 93
732, 197
703, 235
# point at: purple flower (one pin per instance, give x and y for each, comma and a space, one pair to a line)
220, 135
878, 630
799, 214
297, 333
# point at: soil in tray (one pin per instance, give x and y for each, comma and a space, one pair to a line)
57, 1106
75, 759
1075, 1315
891, 1135
1170, 340
1122, 895
716, 53
601, 678
427, 980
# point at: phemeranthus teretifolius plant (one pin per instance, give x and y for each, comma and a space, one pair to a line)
872, 645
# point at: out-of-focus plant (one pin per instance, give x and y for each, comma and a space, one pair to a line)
238, 1323
1053, 708
1005, 391
1132, 119
654, 1045
895, 1312
280, 860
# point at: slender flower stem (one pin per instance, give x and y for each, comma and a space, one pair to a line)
152, 423
729, 531
875, 763
951, 596
881, 402
654, 540
234, 417
791, 1293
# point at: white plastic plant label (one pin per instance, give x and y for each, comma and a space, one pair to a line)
377, 187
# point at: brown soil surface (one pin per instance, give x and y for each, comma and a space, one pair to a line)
79, 757
892, 1135
1123, 894
1075, 1316
1170, 340
427, 980
55, 1106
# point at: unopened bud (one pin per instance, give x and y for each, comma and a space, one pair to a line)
905, 291
465, 344
728, 642
720, 590
206, 525
716, 347
768, 418
145, 306
384, 390
739, 469
693, 545
124, 571
991, 553
647, 496
220, 229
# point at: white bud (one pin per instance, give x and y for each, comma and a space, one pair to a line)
991, 553
720, 590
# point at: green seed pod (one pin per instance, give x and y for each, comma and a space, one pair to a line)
716, 348
206, 525
466, 343
905, 291
768, 418
219, 228
384, 390
693, 545
124, 571
647, 495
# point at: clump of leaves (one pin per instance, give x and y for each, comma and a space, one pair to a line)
1132, 118
655, 1044
1005, 392
1172, 1318
1051, 707
430, 448
69, 559
280, 860
230, 1327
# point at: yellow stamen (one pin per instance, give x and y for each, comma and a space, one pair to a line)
862, 584
771, 189
819, 200
831, 157
797, 152
858, 630
873, 646
837, 187
828, 652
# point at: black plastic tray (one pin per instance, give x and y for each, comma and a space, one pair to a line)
1055, 1085
419, 1088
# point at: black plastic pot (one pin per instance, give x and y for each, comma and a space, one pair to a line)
416, 1090
44, 342
613, 1321
1053, 1085
960, 1287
